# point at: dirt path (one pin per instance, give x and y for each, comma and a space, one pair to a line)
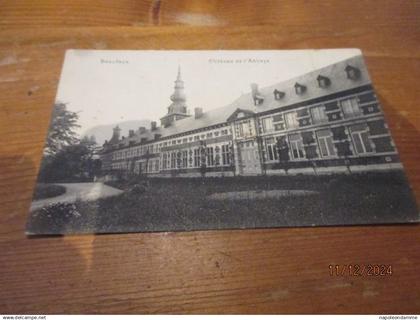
84, 191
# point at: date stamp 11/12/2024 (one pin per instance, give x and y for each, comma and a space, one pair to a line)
358, 270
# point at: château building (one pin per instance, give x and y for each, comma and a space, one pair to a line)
328, 120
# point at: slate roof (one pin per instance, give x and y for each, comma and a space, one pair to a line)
335, 72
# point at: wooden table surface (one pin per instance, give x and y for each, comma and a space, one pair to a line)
252, 271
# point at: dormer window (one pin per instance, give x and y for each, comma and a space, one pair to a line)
323, 82
299, 88
278, 94
258, 100
353, 73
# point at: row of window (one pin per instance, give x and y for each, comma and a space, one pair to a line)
196, 157
149, 166
347, 108
199, 137
156, 148
292, 146
135, 152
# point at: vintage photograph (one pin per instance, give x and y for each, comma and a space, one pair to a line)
148, 141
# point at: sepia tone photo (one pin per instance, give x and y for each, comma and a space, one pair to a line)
147, 141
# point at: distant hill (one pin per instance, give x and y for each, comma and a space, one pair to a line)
104, 132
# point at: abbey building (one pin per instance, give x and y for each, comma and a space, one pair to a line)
328, 120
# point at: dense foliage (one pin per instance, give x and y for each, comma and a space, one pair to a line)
61, 132
66, 158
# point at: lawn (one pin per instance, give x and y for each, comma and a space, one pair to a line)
162, 204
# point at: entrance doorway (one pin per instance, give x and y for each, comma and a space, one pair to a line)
249, 161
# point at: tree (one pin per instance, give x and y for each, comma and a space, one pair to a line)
89, 165
232, 158
203, 158
283, 151
310, 149
343, 146
147, 155
89, 143
68, 164
61, 132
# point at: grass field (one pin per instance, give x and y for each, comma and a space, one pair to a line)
181, 204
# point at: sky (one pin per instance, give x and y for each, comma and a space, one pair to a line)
111, 86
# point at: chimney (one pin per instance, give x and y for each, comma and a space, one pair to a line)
131, 133
256, 95
142, 130
198, 113
153, 125
254, 89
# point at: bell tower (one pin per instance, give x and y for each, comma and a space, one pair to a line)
178, 108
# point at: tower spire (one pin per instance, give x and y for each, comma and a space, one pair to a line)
179, 96
178, 108
178, 78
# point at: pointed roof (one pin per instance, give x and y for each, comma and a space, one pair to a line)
179, 96
178, 78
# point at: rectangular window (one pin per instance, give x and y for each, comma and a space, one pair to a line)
326, 144
291, 120
157, 165
225, 155
271, 149
196, 157
278, 118
164, 159
267, 124
350, 108
360, 138
185, 159
210, 156
244, 129
296, 146
173, 160
319, 115
240, 130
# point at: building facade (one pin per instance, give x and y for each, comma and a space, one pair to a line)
325, 121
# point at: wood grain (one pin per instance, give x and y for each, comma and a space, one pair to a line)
335, 14
251, 271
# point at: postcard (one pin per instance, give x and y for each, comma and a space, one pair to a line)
150, 141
